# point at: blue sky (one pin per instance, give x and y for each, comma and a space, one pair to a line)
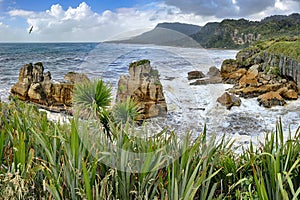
97, 5
99, 20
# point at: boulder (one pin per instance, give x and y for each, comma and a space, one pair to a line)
195, 75
290, 95
270, 99
74, 77
250, 78
229, 100
209, 80
213, 72
143, 85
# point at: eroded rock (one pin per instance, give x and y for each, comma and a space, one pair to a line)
144, 86
35, 86
74, 77
270, 99
195, 75
229, 100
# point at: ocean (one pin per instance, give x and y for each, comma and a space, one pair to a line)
189, 107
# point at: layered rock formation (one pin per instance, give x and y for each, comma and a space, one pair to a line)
259, 73
143, 85
36, 86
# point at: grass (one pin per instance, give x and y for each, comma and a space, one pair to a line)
42, 159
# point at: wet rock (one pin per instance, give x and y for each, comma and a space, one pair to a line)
74, 77
270, 99
205, 81
229, 100
143, 85
195, 75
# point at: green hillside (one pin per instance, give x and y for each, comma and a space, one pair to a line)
241, 33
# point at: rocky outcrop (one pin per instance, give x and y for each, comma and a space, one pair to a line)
143, 85
36, 86
74, 77
195, 75
213, 72
257, 73
229, 100
213, 77
270, 99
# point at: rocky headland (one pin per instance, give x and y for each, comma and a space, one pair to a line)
144, 86
269, 70
36, 87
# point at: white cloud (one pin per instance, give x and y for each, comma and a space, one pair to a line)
281, 7
82, 24
21, 13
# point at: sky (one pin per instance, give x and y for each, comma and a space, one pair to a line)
101, 20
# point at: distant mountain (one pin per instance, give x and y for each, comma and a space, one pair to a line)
169, 34
228, 33
240, 33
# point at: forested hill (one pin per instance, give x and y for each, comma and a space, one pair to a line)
240, 33
228, 33
169, 34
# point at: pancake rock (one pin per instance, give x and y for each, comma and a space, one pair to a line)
36, 86
143, 85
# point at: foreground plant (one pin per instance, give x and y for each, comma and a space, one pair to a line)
41, 159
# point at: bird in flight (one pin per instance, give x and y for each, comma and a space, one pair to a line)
30, 30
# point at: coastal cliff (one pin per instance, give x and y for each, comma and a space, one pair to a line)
269, 70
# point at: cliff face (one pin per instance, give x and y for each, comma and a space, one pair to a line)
283, 65
143, 85
280, 57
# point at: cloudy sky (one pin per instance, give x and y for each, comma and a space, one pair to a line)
100, 20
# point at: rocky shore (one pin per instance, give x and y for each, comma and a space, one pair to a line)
256, 72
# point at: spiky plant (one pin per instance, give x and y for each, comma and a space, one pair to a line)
126, 111
91, 99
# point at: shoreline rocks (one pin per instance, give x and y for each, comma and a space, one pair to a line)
213, 77
229, 100
143, 85
36, 87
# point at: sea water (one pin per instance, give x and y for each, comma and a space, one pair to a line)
190, 108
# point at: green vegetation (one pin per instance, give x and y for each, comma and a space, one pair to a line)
288, 48
138, 63
40, 159
242, 33
284, 46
